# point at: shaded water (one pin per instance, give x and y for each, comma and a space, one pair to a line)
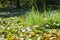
13, 13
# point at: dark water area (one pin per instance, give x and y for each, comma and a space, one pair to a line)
17, 12
12, 13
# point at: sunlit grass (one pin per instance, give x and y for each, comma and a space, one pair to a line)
33, 18
32, 25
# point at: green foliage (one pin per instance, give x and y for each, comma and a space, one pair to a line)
33, 18
30, 26
27, 3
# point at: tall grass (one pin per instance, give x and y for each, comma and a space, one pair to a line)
33, 18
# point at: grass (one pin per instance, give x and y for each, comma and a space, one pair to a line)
33, 18
32, 25
36, 18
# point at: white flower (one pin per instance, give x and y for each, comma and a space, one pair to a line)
47, 25
17, 37
36, 26
21, 38
38, 38
13, 36
20, 26
37, 35
30, 35
49, 35
54, 23
57, 24
31, 32
21, 34
51, 38
23, 30
8, 28
29, 29
2, 38
18, 31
